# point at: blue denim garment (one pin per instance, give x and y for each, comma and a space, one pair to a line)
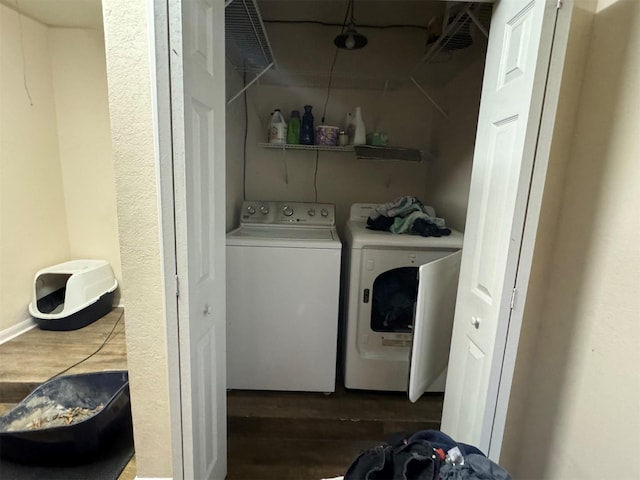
476, 467
411, 461
443, 441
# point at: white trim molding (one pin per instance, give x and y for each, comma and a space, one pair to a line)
16, 330
153, 478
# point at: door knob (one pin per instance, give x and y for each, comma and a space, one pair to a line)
475, 321
207, 310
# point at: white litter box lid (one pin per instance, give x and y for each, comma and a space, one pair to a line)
86, 282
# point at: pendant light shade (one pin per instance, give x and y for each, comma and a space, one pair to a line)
350, 39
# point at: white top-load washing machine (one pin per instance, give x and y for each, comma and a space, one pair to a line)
399, 298
283, 282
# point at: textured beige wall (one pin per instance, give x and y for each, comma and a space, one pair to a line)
581, 415
33, 222
127, 41
572, 68
84, 137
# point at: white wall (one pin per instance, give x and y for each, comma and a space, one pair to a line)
33, 220
128, 52
235, 124
578, 395
358, 80
450, 174
57, 186
341, 178
84, 138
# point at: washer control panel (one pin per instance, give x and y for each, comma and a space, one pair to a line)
288, 213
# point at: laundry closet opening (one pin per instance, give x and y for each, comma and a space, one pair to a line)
417, 83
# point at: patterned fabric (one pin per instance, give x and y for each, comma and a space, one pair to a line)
407, 215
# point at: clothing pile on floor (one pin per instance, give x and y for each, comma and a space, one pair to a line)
425, 455
407, 215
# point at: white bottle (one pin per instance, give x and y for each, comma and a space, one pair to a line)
349, 127
359, 133
277, 128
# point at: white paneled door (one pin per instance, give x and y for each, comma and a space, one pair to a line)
510, 110
197, 69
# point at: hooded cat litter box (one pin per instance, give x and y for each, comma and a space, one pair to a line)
73, 294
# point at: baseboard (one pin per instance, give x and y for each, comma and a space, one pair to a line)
16, 330
153, 478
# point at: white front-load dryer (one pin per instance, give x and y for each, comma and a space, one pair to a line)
381, 293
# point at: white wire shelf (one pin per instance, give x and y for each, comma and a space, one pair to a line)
323, 148
362, 152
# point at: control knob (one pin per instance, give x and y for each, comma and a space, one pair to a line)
264, 209
311, 212
251, 209
324, 212
287, 211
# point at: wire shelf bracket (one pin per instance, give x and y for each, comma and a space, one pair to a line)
248, 47
455, 36
255, 79
430, 98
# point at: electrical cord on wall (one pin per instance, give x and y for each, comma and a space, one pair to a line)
246, 131
326, 102
106, 340
315, 177
24, 61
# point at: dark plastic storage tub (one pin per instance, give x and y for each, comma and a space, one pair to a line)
22, 440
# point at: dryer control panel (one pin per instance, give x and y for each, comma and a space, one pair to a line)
288, 213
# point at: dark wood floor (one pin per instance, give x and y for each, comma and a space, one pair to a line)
312, 436
271, 435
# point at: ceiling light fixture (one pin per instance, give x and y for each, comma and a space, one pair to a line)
350, 39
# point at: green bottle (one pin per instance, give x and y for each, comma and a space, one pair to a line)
293, 133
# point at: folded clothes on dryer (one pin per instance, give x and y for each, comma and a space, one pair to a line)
407, 215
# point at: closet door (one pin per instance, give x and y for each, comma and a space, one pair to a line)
513, 90
435, 304
197, 40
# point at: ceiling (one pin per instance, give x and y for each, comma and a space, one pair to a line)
60, 13
374, 12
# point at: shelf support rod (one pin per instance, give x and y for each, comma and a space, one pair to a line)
250, 83
473, 17
428, 97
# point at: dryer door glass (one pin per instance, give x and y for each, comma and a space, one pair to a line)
393, 300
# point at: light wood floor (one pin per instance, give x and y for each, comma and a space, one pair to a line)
32, 358
283, 435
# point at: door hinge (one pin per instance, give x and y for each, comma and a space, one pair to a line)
177, 286
558, 4
513, 299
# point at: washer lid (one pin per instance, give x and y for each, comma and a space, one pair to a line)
301, 237
359, 236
